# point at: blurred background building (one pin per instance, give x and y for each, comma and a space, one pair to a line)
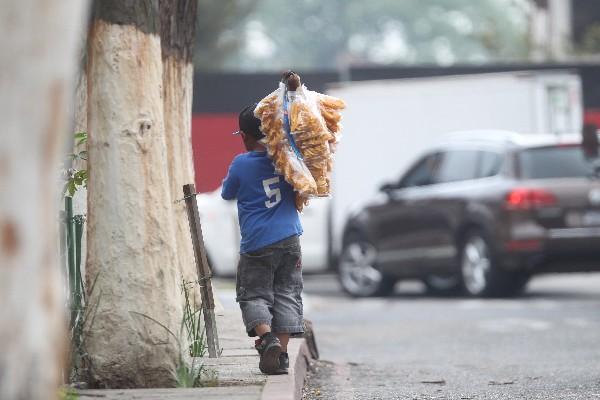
564, 29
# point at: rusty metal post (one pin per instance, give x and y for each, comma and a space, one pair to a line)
203, 269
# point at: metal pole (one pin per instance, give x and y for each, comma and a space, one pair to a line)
208, 302
78, 223
71, 256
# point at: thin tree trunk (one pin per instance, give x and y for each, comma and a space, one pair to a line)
38, 43
131, 247
178, 26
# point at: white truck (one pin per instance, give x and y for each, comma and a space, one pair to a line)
387, 125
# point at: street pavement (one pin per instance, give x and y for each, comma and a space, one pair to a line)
543, 345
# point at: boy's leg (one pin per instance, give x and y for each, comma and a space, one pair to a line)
287, 290
284, 339
284, 359
261, 329
254, 288
254, 291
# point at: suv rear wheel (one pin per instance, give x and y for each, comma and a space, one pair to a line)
358, 272
481, 274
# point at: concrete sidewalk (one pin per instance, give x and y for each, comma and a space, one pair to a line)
236, 371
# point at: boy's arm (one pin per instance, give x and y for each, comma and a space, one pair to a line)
231, 184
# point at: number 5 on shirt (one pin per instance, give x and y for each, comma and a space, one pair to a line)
272, 192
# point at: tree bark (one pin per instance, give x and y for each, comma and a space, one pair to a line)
178, 25
131, 246
38, 43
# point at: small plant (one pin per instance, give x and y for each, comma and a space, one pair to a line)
190, 376
76, 178
81, 313
192, 321
67, 394
83, 316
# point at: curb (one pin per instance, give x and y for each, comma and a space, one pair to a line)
289, 387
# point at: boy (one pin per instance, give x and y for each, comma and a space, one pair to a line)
269, 275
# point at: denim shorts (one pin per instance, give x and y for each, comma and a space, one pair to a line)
269, 287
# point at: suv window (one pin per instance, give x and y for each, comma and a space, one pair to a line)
422, 172
554, 162
458, 165
489, 163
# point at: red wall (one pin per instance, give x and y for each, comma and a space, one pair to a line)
592, 116
214, 147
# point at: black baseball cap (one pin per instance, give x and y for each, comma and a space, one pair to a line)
249, 124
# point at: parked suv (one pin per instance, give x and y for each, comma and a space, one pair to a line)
479, 213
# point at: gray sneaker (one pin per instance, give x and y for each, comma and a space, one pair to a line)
269, 350
284, 363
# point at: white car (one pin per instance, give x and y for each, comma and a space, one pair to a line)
221, 233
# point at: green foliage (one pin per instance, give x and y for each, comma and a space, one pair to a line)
81, 138
193, 375
67, 394
591, 40
76, 178
188, 377
219, 31
311, 34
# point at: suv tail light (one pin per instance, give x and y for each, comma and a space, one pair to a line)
527, 199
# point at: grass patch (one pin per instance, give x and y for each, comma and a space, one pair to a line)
67, 394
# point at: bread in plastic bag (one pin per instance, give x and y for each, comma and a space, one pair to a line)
301, 145
286, 162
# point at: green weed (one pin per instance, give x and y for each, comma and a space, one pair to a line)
192, 322
67, 394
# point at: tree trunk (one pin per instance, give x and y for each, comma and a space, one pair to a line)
131, 247
38, 43
178, 23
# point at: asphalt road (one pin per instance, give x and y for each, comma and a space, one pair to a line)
544, 345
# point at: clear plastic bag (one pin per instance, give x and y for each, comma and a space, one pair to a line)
301, 128
286, 158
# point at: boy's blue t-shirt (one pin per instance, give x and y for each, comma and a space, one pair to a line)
265, 201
